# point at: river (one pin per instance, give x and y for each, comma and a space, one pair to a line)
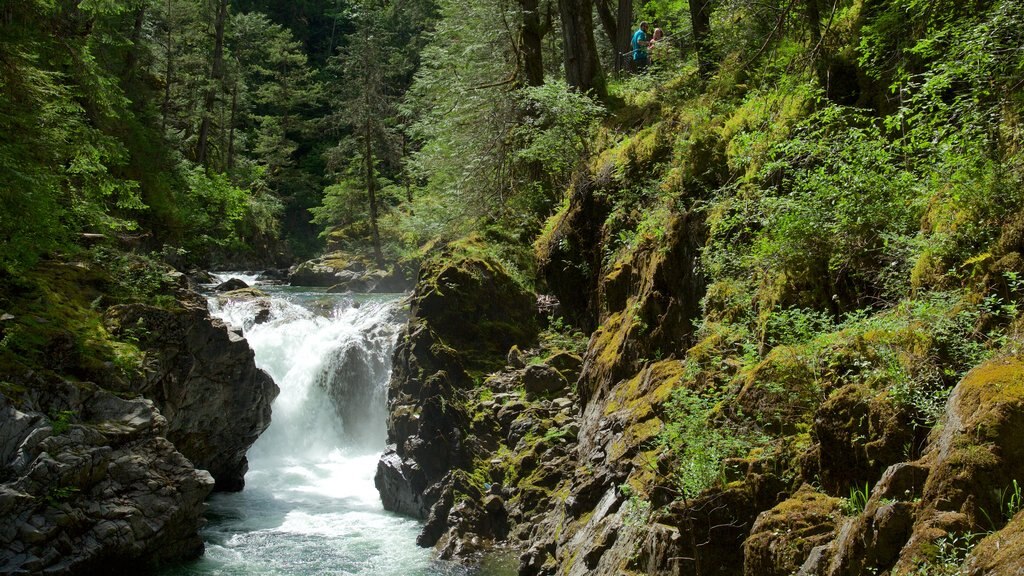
309, 504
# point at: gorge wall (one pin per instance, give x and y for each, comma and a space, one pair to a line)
111, 474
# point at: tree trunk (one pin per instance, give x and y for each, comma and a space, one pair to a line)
582, 67
700, 19
216, 77
531, 39
623, 36
231, 126
166, 107
608, 20
813, 14
131, 61
371, 191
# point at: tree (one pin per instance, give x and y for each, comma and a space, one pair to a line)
582, 66
617, 21
215, 83
700, 20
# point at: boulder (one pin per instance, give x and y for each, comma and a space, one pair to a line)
974, 454
326, 271
782, 538
231, 285
860, 433
543, 380
99, 491
466, 313
205, 383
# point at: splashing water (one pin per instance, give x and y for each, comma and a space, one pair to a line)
309, 505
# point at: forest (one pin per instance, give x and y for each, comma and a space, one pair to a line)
754, 308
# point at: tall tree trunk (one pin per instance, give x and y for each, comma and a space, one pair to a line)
531, 39
371, 181
231, 126
166, 107
700, 19
623, 36
131, 61
371, 191
216, 78
813, 13
608, 19
582, 67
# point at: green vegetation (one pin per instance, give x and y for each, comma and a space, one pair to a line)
857, 501
800, 202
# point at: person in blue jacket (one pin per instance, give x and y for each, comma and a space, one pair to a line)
639, 45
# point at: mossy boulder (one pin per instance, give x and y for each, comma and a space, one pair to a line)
859, 433
466, 313
475, 307
327, 270
782, 538
974, 454
1000, 553
781, 392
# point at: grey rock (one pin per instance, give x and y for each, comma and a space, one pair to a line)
215, 401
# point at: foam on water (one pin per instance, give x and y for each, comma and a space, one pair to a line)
310, 506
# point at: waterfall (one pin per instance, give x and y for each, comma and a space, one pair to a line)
310, 506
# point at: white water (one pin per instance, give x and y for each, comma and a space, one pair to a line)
250, 278
309, 505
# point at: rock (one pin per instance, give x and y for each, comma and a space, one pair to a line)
200, 277
205, 383
466, 314
543, 380
782, 538
107, 495
977, 451
567, 363
516, 358
274, 274
860, 433
231, 285
328, 270
1000, 553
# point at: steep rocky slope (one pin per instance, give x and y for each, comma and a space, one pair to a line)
111, 442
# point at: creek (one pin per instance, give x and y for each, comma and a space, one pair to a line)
309, 505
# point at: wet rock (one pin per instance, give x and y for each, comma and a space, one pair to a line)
205, 382
231, 285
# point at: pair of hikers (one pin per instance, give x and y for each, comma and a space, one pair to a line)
642, 45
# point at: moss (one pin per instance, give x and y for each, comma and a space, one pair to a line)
781, 391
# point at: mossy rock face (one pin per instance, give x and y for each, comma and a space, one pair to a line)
781, 392
979, 449
1000, 553
782, 538
974, 454
569, 255
859, 433
467, 312
475, 307
656, 318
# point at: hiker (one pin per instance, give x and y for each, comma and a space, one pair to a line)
656, 45
639, 45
